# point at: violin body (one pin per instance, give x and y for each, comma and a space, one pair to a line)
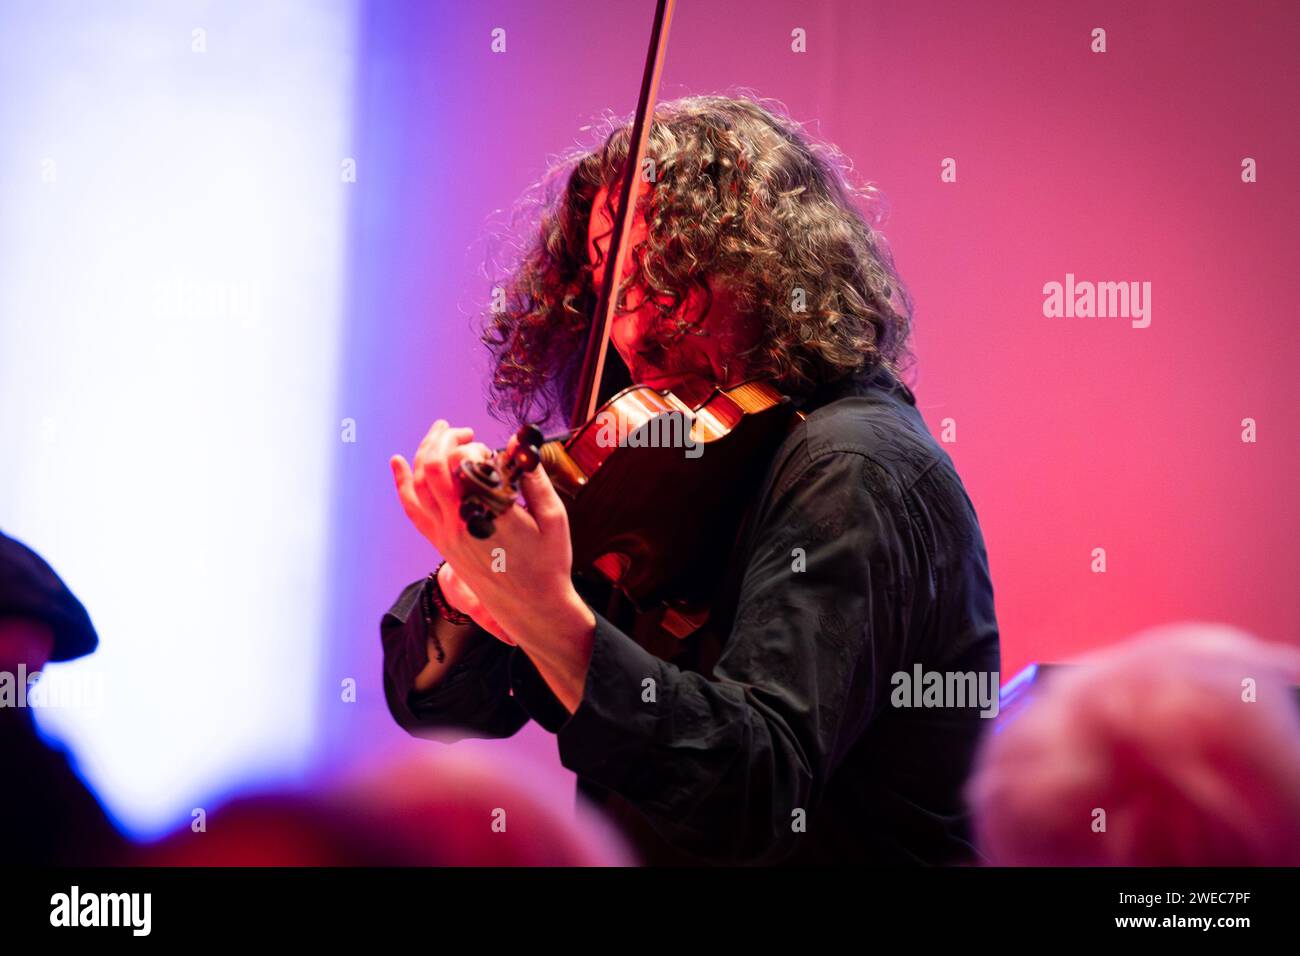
659, 522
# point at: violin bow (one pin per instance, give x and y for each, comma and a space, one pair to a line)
489, 485
593, 362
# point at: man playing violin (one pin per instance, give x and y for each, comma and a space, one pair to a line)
773, 733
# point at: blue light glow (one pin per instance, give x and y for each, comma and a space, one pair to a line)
171, 273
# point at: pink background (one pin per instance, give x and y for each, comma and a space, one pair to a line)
1072, 433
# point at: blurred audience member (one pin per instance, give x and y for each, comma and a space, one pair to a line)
440, 809
1179, 747
47, 816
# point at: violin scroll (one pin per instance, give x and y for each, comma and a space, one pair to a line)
490, 486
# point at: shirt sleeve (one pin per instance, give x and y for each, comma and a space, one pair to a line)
731, 767
472, 699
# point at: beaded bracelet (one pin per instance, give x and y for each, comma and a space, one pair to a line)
432, 599
430, 625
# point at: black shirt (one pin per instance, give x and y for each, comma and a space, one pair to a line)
770, 735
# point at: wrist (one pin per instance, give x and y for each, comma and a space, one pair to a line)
440, 604
567, 624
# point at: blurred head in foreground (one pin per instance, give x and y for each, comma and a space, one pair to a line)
47, 816
440, 809
1179, 747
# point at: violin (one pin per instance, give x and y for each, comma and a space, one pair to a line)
656, 519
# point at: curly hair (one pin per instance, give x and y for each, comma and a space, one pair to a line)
741, 195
